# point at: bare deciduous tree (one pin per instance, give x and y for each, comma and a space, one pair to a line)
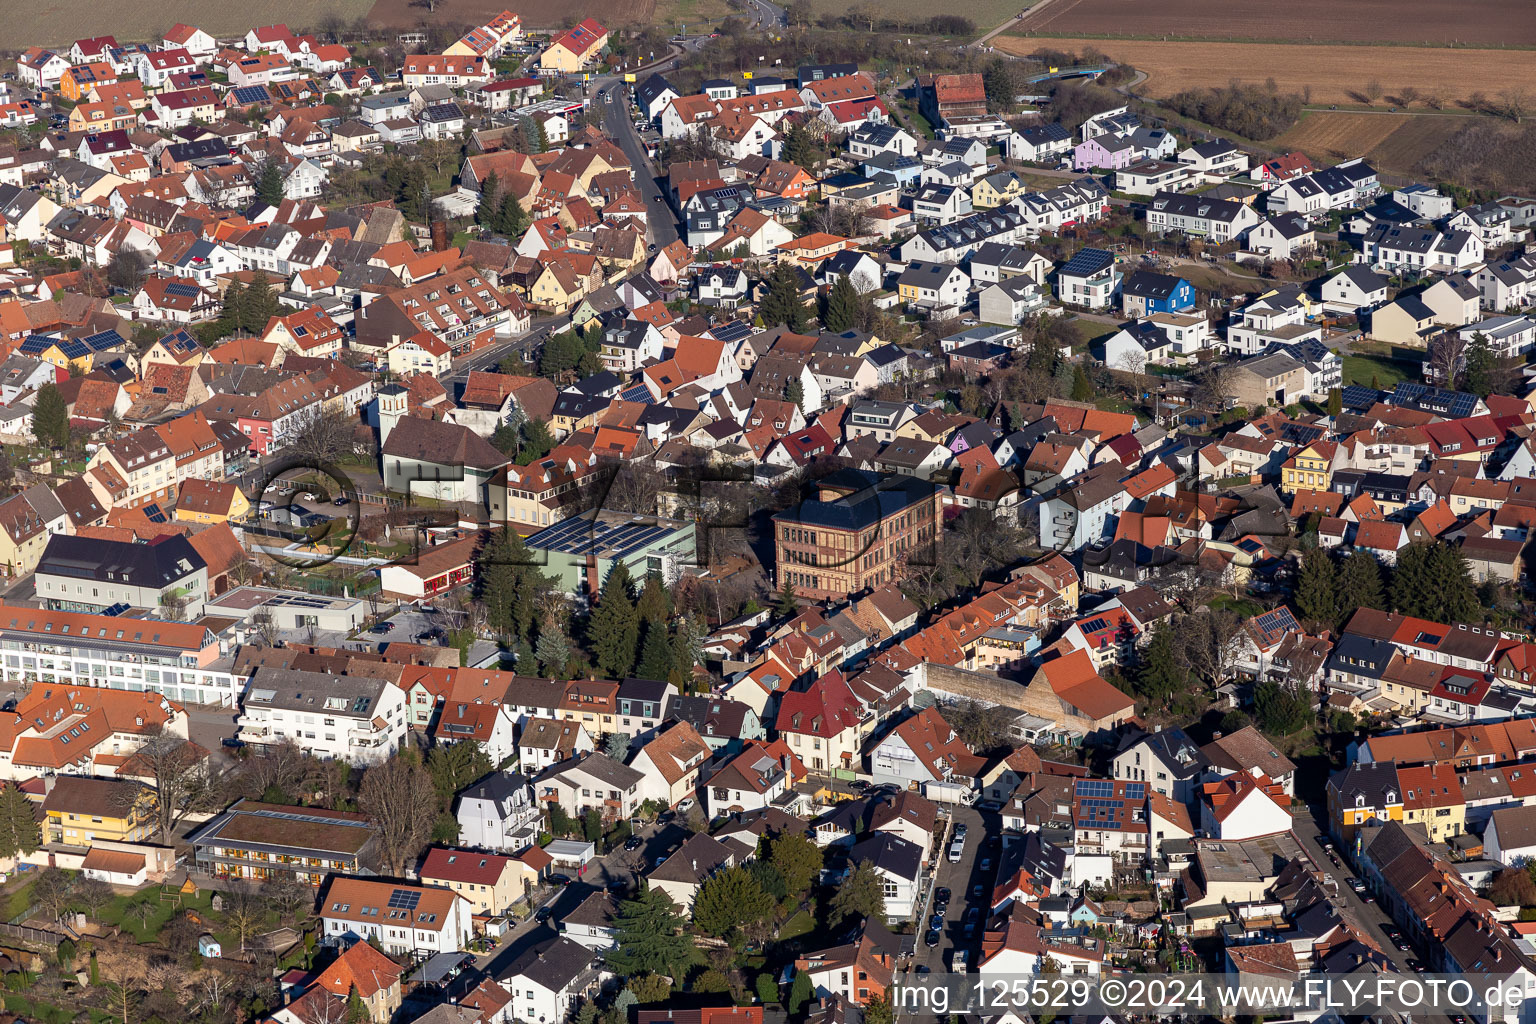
326, 438
283, 766
1214, 382
244, 912
92, 894
1409, 95
179, 776
399, 796
1447, 352
287, 895
1514, 102
1373, 90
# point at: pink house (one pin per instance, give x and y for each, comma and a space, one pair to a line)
1104, 151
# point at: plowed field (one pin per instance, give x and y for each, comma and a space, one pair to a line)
1335, 74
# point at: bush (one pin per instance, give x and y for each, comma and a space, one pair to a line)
767, 988
1243, 109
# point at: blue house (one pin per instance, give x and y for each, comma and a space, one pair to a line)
1144, 293
904, 170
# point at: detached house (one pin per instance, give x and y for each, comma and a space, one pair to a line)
923, 749
669, 764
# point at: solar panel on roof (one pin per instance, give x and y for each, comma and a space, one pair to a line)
638, 393
404, 899
250, 94
1358, 396
1088, 261
184, 291
1095, 788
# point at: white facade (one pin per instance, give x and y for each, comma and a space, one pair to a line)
400, 936
332, 730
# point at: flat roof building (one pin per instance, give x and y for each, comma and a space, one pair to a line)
579, 552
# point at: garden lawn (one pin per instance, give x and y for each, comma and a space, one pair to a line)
18, 900
1360, 369
800, 923
120, 912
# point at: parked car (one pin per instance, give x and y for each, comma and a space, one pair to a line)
633, 843
932, 938
685, 805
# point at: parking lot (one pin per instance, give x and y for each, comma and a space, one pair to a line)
413, 625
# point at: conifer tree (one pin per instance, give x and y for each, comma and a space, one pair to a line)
1359, 584
269, 187
1316, 588
613, 632
50, 417
651, 937
553, 651
1082, 390
1162, 672
842, 306
656, 654
19, 830
786, 605
862, 895
655, 604
731, 899
486, 210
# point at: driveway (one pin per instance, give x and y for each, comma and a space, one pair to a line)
525, 345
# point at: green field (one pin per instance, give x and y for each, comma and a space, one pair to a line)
59, 23
677, 13
1360, 369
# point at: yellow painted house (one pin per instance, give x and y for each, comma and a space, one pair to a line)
27, 520
1432, 797
491, 882
95, 118
79, 811
1364, 795
557, 288
1310, 469
208, 501
997, 189
575, 48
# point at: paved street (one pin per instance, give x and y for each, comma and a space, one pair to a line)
526, 345
1369, 918
960, 878
618, 124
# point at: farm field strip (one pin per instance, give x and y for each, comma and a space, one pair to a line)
1487, 23
57, 23
1392, 143
1334, 74
536, 14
